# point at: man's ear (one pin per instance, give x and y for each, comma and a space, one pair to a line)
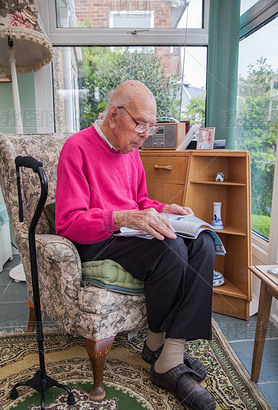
113, 115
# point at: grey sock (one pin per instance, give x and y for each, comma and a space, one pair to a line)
171, 355
155, 340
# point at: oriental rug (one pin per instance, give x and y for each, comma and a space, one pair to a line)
126, 375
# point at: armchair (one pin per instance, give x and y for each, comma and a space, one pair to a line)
95, 313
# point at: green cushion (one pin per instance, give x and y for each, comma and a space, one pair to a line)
110, 275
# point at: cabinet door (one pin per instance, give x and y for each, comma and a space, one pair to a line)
165, 192
165, 175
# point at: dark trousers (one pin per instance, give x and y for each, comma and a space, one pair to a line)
177, 276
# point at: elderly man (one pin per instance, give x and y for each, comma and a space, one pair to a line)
101, 187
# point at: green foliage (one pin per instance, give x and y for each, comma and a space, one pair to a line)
104, 68
257, 127
261, 224
196, 109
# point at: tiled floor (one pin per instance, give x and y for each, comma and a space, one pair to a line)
239, 333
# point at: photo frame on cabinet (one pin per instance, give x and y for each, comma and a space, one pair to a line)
206, 138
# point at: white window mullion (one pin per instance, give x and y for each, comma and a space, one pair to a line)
124, 37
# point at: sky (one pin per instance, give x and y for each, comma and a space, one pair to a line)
262, 43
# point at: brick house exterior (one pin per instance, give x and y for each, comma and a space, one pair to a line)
97, 14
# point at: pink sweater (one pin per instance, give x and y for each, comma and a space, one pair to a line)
93, 181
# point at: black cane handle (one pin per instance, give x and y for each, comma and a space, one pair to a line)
28, 162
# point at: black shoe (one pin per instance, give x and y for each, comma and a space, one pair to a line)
188, 391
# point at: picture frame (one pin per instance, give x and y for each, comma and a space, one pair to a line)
205, 138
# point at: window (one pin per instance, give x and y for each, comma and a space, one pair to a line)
193, 15
176, 76
257, 120
146, 36
132, 20
96, 14
246, 4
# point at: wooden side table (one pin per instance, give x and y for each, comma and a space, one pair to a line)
269, 288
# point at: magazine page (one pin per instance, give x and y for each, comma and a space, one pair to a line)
186, 224
219, 247
124, 231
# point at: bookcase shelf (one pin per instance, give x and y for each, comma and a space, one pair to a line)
228, 289
229, 230
226, 183
188, 178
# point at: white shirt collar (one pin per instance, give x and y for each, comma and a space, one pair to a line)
97, 125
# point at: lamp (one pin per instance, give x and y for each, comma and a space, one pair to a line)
24, 45
24, 48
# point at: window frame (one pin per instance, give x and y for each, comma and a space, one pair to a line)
257, 16
76, 36
266, 251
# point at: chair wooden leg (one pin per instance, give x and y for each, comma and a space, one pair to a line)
97, 351
32, 321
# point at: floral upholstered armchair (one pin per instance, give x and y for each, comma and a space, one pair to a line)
93, 312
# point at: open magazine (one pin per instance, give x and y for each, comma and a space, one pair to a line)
186, 226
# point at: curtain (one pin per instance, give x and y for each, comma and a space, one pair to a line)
222, 69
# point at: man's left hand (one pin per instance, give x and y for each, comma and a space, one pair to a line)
177, 209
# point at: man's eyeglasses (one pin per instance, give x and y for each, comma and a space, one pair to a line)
142, 126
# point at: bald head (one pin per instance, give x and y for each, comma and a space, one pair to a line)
133, 94
130, 105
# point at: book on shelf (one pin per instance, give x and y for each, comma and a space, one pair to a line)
186, 226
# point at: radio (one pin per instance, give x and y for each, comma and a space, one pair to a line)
169, 135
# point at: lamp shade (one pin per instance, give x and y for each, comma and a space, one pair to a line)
20, 23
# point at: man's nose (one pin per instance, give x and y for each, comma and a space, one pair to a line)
144, 134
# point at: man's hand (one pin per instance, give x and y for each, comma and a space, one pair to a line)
148, 220
177, 209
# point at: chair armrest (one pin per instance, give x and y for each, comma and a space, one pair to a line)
60, 274
63, 248
60, 251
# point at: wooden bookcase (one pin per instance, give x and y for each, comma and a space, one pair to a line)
188, 178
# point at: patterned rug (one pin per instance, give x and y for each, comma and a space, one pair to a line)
126, 375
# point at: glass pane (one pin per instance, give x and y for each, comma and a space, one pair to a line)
257, 118
246, 4
84, 76
192, 17
130, 13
